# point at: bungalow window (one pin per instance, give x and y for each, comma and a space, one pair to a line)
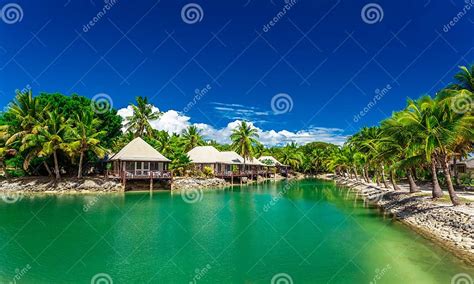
461, 169
130, 166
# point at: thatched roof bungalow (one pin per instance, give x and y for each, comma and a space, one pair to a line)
139, 159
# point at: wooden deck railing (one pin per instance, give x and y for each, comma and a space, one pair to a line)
148, 175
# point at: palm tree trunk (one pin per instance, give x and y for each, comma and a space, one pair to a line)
367, 179
47, 168
437, 192
56, 165
383, 177
393, 180
377, 178
452, 194
413, 187
413, 170
79, 172
356, 175
455, 171
364, 174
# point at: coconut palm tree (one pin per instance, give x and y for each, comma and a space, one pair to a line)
438, 126
191, 138
397, 149
28, 111
368, 141
291, 156
139, 121
465, 78
259, 149
180, 163
85, 136
4, 149
164, 143
51, 137
244, 137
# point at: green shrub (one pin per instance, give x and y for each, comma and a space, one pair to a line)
16, 173
235, 169
466, 179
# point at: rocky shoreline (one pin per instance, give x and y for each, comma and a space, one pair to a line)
66, 185
452, 228
32, 185
198, 183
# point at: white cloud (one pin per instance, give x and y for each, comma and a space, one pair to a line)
170, 121
175, 122
238, 111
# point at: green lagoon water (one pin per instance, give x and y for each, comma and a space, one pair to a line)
311, 231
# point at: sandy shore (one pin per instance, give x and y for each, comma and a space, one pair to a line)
451, 227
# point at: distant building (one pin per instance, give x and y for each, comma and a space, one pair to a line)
464, 167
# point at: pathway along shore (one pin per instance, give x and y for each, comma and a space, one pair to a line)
450, 227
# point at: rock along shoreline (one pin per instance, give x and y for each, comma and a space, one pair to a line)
33, 185
450, 227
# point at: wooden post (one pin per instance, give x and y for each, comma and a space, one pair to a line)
151, 184
171, 180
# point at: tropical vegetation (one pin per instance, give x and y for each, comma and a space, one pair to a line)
56, 135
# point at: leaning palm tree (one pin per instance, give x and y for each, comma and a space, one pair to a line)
438, 126
139, 121
29, 112
244, 137
85, 136
398, 150
53, 138
191, 138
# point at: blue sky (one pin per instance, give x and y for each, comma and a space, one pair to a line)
322, 62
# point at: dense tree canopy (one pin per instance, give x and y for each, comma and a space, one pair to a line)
58, 135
